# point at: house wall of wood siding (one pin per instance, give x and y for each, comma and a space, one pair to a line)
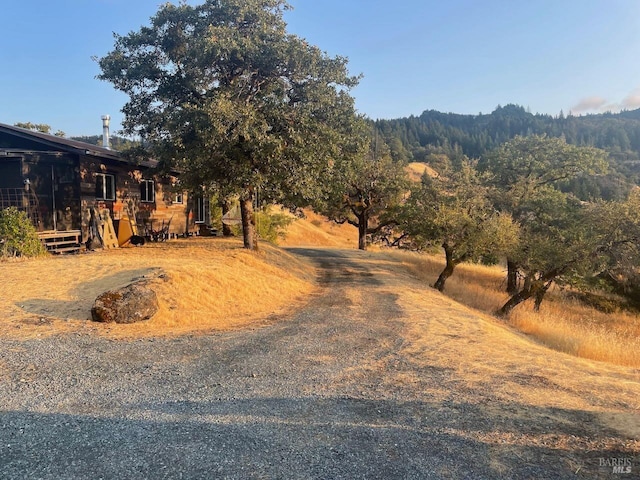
128, 203
62, 184
53, 179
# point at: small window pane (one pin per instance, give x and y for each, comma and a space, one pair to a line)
110, 190
147, 191
99, 186
105, 187
199, 210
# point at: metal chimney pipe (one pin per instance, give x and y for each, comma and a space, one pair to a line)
105, 131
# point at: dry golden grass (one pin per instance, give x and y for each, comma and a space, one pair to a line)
208, 284
208, 281
415, 170
316, 230
562, 323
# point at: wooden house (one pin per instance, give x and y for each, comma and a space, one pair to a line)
60, 183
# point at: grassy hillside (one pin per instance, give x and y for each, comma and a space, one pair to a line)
563, 323
204, 284
315, 230
209, 284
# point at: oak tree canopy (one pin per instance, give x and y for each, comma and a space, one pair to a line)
223, 93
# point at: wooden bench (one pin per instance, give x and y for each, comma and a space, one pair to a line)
68, 241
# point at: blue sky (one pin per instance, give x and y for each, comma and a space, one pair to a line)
459, 56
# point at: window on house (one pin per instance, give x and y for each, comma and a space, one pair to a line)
200, 210
147, 191
105, 186
178, 197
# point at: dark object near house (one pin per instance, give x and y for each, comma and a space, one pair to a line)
130, 304
137, 240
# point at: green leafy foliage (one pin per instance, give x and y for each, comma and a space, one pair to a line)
521, 166
223, 93
363, 188
617, 262
18, 237
560, 240
271, 227
453, 211
39, 127
571, 243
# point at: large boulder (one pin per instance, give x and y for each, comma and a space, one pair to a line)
133, 303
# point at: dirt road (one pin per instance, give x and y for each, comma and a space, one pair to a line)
378, 376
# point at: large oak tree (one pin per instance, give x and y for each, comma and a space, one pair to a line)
566, 241
563, 240
525, 169
363, 186
222, 92
452, 210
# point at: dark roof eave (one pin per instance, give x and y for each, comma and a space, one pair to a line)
72, 146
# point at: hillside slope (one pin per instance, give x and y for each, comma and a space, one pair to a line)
316, 230
208, 284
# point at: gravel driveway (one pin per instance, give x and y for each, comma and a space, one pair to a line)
362, 383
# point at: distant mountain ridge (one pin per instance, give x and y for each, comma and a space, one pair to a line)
415, 138
618, 133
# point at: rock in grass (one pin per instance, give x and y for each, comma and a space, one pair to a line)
133, 303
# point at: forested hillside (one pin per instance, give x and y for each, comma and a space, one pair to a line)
418, 138
115, 142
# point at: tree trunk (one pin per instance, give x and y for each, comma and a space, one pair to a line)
363, 226
540, 296
512, 277
534, 287
514, 301
226, 229
448, 269
249, 231
186, 223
